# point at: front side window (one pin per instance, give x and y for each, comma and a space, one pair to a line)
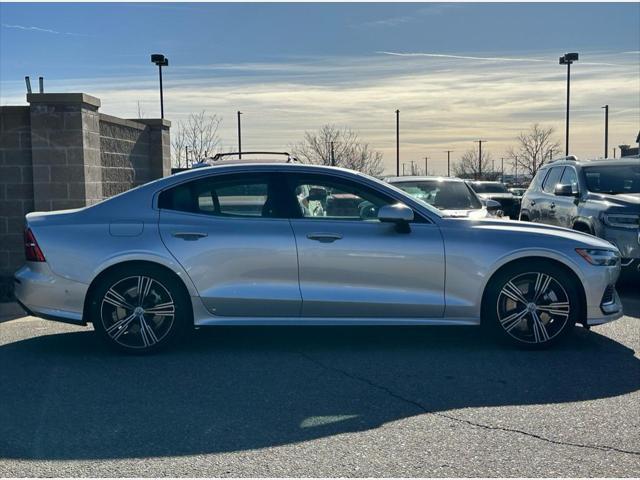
553, 178
228, 195
613, 179
320, 197
444, 195
569, 177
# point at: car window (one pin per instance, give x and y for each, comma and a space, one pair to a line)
445, 195
489, 187
552, 179
569, 177
224, 195
321, 197
613, 179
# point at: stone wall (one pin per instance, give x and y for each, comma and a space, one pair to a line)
60, 152
16, 185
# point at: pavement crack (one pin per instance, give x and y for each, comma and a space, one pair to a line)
423, 409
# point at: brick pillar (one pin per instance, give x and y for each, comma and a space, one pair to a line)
65, 142
159, 146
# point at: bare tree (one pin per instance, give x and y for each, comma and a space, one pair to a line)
535, 147
199, 134
469, 166
343, 145
140, 110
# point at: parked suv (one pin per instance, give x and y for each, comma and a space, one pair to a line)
600, 197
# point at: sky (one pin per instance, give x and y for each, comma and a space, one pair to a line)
458, 72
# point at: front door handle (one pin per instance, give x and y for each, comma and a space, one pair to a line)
324, 237
553, 205
533, 202
189, 236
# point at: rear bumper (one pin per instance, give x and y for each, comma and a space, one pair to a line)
46, 295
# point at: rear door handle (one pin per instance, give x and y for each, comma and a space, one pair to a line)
324, 237
189, 236
553, 205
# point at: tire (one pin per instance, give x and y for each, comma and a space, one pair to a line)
533, 305
140, 309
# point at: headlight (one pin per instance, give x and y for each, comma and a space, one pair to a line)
621, 220
595, 256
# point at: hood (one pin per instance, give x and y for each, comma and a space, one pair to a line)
617, 200
528, 229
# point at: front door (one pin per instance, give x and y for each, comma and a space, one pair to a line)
353, 265
227, 233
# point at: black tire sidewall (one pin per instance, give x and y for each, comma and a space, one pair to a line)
183, 316
490, 317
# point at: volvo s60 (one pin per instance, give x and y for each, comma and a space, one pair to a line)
292, 244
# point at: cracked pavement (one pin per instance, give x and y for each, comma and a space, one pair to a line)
321, 401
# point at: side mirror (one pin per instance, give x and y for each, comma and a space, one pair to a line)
565, 190
398, 213
317, 194
492, 205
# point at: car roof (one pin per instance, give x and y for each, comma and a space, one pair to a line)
409, 178
618, 162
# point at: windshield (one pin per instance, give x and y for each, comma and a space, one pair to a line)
489, 188
442, 194
613, 178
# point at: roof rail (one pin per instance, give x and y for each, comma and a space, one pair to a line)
218, 156
571, 158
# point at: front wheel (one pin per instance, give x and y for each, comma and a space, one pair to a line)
532, 305
139, 309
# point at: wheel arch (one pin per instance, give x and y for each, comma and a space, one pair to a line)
130, 263
538, 258
583, 225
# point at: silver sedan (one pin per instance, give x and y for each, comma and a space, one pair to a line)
291, 244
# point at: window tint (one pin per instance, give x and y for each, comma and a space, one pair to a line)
322, 198
222, 196
487, 187
552, 179
613, 179
569, 177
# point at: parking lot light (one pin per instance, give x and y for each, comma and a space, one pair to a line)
567, 59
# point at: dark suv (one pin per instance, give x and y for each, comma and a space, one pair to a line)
600, 197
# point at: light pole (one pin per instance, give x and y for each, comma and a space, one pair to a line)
239, 136
567, 59
449, 162
502, 169
606, 131
161, 61
398, 143
479, 142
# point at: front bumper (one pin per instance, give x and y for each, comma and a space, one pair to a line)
42, 293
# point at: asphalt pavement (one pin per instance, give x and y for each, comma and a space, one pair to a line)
321, 401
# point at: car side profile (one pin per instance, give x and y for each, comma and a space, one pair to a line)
292, 244
599, 197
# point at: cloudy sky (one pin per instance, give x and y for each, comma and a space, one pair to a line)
457, 72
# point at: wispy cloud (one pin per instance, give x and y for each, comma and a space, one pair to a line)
42, 30
430, 10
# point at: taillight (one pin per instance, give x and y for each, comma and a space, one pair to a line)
31, 249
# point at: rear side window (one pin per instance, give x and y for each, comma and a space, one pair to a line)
569, 177
234, 196
552, 179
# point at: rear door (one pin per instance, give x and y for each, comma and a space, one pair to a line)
566, 208
351, 264
229, 235
548, 198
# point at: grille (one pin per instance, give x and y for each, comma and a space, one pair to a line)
608, 295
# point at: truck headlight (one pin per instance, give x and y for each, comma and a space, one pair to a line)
621, 220
594, 256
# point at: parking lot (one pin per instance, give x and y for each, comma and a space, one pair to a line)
333, 401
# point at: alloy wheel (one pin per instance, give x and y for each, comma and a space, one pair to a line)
137, 312
533, 307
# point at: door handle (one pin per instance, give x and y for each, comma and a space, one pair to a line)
553, 205
324, 237
533, 202
189, 236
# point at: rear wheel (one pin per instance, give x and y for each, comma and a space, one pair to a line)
139, 309
532, 305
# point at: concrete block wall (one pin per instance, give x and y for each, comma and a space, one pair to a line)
60, 152
16, 185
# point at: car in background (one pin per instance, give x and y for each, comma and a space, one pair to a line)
291, 244
450, 195
497, 191
518, 192
600, 197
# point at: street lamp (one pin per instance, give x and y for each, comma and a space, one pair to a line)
161, 61
239, 136
606, 131
449, 162
398, 143
479, 142
567, 59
